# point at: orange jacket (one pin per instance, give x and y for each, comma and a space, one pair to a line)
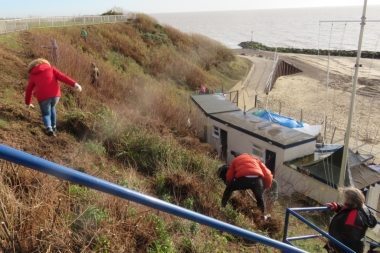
247, 165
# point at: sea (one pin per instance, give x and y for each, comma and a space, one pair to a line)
332, 28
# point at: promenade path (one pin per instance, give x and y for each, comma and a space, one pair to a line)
255, 81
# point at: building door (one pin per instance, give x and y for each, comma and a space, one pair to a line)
223, 143
270, 160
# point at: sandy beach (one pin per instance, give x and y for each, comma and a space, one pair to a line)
323, 89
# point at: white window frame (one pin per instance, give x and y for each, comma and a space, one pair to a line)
216, 132
258, 150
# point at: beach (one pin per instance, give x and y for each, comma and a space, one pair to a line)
323, 90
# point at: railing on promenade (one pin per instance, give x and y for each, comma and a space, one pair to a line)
39, 164
294, 211
13, 25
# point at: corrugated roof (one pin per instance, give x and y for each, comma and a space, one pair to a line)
327, 170
363, 176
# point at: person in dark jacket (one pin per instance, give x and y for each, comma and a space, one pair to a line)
247, 172
351, 221
54, 51
94, 74
43, 82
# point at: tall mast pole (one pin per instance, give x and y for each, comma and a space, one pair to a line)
352, 105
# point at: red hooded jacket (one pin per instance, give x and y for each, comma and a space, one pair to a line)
44, 82
247, 165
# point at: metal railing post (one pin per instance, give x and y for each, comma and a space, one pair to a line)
294, 211
286, 225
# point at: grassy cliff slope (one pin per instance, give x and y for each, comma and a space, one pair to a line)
132, 129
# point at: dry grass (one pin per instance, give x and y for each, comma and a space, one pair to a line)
132, 129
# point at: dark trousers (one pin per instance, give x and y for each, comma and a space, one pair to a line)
255, 184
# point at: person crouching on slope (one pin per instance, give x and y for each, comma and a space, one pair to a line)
247, 172
43, 82
351, 221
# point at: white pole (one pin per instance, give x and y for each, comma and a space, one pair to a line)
271, 76
352, 105
326, 96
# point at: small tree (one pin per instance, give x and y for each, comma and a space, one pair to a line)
115, 11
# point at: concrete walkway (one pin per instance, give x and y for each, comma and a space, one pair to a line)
255, 81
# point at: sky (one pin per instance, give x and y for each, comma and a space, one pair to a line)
49, 8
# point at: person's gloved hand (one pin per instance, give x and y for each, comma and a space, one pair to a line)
333, 206
78, 87
29, 106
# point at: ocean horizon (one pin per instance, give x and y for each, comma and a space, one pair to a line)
293, 28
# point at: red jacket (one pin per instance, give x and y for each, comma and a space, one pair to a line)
43, 81
247, 165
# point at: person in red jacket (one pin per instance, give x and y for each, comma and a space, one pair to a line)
247, 172
43, 82
351, 221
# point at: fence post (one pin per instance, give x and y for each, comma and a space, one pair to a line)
255, 100
279, 110
301, 115
324, 135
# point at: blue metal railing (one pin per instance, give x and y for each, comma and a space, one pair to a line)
294, 211
39, 164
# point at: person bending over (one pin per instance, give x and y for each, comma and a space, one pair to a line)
43, 82
351, 221
247, 172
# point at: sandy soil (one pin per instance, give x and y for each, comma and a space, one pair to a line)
324, 88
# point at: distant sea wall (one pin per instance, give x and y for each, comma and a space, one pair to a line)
348, 53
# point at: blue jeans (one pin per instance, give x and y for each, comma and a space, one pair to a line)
49, 116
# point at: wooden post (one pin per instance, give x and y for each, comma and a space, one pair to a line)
255, 100
301, 115
332, 137
279, 110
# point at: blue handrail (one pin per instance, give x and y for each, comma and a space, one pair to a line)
39, 164
294, 211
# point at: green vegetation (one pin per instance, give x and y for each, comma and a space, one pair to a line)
132, 129
348, 53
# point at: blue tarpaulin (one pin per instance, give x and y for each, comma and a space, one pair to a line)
279, 119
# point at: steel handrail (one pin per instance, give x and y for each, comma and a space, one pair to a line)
42, 165
294, 211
